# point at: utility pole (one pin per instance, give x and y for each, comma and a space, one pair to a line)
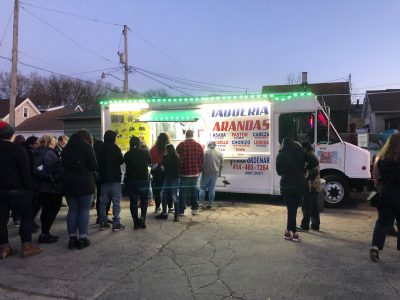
126, 87
13, 93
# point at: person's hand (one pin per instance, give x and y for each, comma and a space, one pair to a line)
162, 168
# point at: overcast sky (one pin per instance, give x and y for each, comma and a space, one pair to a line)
243, 43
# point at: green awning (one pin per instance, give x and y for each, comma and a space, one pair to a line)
171, 116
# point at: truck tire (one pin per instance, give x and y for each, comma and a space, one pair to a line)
337, 190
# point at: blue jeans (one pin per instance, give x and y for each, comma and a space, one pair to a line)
138, 190
78, 215
208, 182
170, 188
188, 192
113, 191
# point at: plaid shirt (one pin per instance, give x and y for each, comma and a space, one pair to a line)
191, 155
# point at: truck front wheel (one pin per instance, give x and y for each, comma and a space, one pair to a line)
337, 190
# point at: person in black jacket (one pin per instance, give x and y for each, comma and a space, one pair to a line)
110, 161
15, 192
98, 148
137, 180
309, 205
31, 144
387, 181
290, 165
48, 170
170, 165
78, 184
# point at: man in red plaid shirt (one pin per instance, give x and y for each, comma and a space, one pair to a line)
191, 155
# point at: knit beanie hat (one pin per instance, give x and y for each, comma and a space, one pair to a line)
6, 131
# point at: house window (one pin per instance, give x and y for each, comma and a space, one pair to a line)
26, 112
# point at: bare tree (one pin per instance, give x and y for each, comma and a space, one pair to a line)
156, 93
293, 78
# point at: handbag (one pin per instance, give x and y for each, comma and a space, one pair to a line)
374, 198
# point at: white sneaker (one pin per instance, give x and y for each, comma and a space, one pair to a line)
194, 212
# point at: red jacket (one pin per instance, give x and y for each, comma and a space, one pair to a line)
191, 158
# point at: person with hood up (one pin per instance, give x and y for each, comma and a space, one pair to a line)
137, 180
291, 163
110, 161
15, 190
78, 186
213, 163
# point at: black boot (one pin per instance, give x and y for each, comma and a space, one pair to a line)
176, 218
136, 224
143, 223
83, 243
73, 242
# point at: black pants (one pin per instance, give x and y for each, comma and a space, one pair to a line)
21, 203
292, 199
156, 186
36, 204
51, 204
388, 210
310, 210
138, 190
98, 195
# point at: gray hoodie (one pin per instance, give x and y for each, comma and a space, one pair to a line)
213, 161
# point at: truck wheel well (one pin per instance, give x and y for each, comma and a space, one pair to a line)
326, 172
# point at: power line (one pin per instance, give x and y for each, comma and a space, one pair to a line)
369, 87
42, 61
163, 83
94, 71
166, 54
72, 15
194, 81
69, 38
194, 87
58, 74
8, 24
190, 85
104, 22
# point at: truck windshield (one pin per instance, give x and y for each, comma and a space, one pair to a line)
322, 130
298, 126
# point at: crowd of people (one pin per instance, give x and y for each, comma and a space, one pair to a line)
37, 173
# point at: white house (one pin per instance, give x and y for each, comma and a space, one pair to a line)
381, 110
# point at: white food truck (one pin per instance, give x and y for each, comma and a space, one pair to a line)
248, 130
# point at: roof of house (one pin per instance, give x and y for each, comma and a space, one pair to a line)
5, 106
336, 95
46, 121
383, 100
94, 113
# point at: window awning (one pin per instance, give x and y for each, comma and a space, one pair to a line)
171, 116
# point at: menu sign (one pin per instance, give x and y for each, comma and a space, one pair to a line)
242, 128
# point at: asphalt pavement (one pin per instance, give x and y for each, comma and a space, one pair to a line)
234, 251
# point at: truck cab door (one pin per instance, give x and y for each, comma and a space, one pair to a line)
300, 126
